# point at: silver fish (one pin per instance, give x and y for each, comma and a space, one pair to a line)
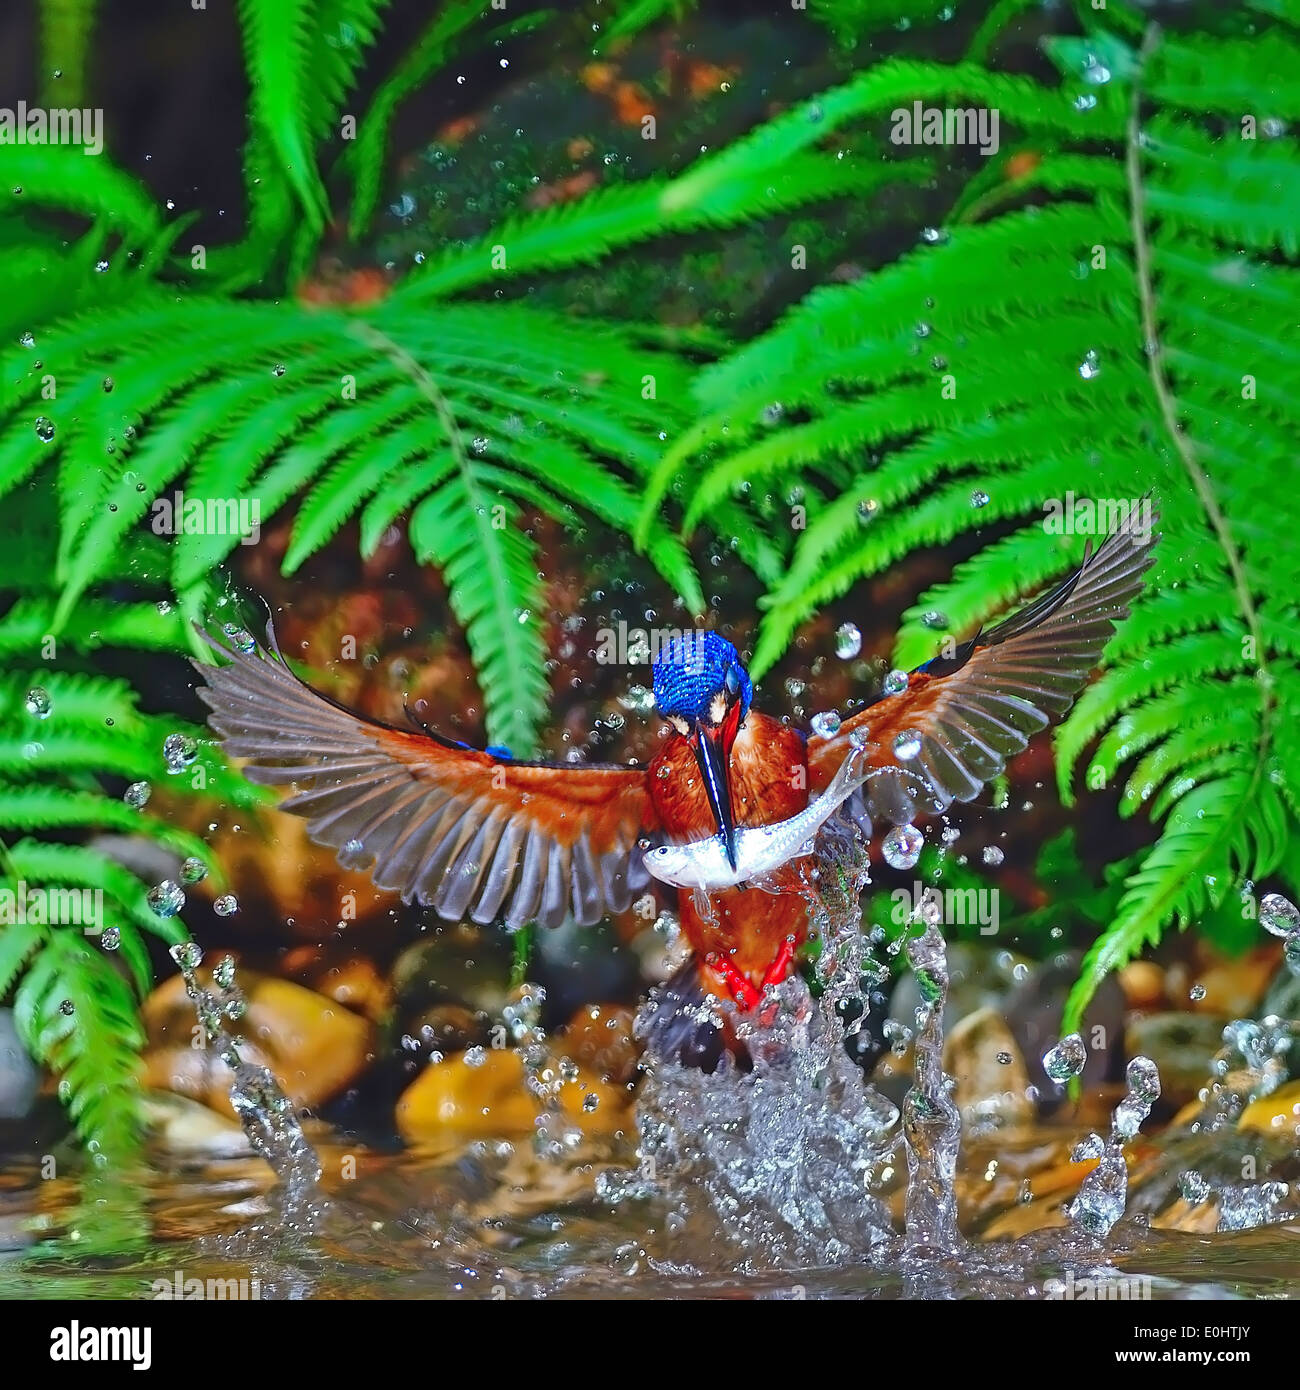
760, 849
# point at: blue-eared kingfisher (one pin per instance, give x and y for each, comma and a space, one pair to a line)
483, 836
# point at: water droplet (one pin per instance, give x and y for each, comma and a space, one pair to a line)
1196, 993
137, 794
166, 898
1004, 1059
935, 619
240, 639
1085, 101
179, 751
224, 972
868, 511
1278, 915
193, 870
45, 430
1194, 1188
474, 1056
1089, 1147
902, 846
1089, 367
37, 702
933, 236
1066, 1060
826, 725
108, 384
226, 906
894, 683
278, 369
110, 938
992, 855
979, 499
1143, 1079
187, 955
100, 267
848, 641
1291, 952
1095, 72
907, 745
27, 340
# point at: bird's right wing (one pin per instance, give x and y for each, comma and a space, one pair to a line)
471, 834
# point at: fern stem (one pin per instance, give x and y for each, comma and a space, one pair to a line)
1196, 474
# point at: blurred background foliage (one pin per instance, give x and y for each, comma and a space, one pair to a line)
788, 361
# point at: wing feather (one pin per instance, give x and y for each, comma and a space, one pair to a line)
979, 708
464, 831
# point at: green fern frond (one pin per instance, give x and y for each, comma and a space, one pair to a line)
65, 178
75, 1013
277, 48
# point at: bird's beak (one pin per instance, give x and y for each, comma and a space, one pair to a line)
712, 754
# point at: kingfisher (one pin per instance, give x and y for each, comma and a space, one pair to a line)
484, 836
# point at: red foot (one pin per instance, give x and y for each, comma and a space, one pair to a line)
738, 986
780, 967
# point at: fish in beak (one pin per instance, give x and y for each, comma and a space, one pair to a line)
712, 748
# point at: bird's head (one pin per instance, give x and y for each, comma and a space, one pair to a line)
704, 692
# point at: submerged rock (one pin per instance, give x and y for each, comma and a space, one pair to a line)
1275, 1115
992, 1081
313, 1046
484, 1094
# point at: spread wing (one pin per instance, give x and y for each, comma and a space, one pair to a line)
980, 707
466, 832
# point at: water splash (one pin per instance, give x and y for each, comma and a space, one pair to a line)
931, 1123
266, 1113
785, 1154
792, 1153
1102, 1199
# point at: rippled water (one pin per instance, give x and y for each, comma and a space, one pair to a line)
490, 1222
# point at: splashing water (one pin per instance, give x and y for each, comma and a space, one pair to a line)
931, 1123
788, 1154
264, 1110
1104, 1195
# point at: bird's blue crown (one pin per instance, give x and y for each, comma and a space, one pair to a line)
691, 669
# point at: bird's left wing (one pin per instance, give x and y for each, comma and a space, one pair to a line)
471, 834
961, 718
